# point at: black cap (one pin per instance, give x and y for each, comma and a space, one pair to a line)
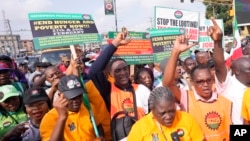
37, 64
45, 64
5, 58
34, 94
71, 86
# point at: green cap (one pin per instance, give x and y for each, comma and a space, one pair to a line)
7, 91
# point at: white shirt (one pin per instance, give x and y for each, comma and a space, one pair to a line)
31, 76
56, 95
234, 90
142, 94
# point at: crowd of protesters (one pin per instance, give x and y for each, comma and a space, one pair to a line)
196, 99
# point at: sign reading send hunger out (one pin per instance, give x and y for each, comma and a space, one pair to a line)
59, 29
163, 42
168, 17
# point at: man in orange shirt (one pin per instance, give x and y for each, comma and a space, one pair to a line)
69, 119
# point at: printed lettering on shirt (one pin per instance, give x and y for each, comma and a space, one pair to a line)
127, 105
213, 120
72, 126
155, 137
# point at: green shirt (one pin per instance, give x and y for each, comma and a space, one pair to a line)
7, 122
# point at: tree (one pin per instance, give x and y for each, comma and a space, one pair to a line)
220, 10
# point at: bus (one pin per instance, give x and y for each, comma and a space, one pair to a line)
53, 55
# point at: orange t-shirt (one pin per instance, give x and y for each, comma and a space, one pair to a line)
123, 101
213, 117
78, 126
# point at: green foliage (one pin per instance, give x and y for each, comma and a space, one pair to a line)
220, 10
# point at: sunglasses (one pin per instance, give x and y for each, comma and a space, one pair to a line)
202, 82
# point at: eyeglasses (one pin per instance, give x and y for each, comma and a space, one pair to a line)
202, 82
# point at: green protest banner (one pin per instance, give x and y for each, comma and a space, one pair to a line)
60, 29
162, 41
134, 35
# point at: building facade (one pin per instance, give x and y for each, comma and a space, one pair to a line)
10, 45
27, 47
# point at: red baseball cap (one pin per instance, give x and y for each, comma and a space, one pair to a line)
4, 66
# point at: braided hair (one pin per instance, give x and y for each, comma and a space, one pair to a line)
158, 94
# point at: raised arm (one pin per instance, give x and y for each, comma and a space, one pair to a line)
180, 45
96, 71
218, 56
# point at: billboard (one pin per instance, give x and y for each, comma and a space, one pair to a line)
242, 10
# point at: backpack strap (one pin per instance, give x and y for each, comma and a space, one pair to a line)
113, 123
134, 102
125, 113
123, 132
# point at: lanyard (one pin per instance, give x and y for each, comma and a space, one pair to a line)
160, 129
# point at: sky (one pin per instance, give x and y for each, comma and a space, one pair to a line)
136, 15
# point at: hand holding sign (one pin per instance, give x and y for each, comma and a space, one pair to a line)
121, 39
214, 31
77, 54
181, 43
125, 32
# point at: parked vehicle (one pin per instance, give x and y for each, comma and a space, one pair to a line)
30, 61
54, 55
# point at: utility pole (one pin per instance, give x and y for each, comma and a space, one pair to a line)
151, 22
6, 27
116, 28
13, 48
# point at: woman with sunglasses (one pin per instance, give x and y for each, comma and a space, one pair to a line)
211, 110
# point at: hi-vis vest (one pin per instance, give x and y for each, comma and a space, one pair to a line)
214, 117
123, 101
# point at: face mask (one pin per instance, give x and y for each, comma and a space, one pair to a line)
47, 83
